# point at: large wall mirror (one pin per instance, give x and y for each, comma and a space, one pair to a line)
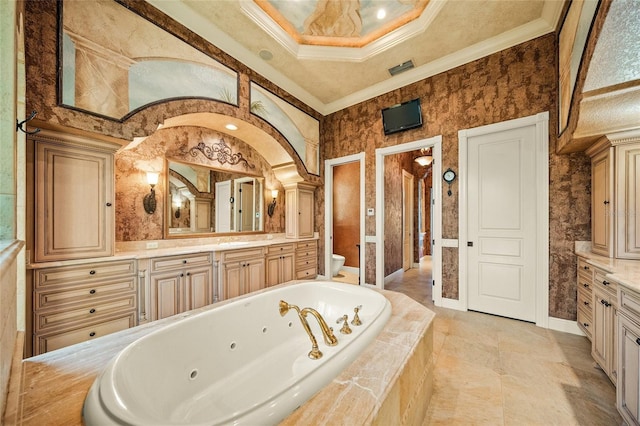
204, 200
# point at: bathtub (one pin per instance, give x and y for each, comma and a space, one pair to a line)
240, 363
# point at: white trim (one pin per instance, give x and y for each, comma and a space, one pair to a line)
436, 210
392, 276
328, 208
449, 242
564, 325
452, 304
541, 121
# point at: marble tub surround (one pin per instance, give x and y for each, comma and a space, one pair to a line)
390, 383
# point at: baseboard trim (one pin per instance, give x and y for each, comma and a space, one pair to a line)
451, 304
565, 326
392, 276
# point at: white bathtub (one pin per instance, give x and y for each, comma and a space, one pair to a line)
240, 363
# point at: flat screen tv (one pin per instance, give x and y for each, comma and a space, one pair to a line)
404, 116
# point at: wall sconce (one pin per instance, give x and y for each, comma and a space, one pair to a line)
177, 204
272, 205
149, 200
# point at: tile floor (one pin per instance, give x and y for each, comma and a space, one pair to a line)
495, 371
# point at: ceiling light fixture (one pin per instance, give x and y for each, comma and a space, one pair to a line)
266, 54
231, 127
425, 157
381, 14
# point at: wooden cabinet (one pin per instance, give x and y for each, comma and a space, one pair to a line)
280, 264
628, 387
605, 306
76, 303
585, 296
602, 180
73, 207
180, 283
241, 271
615, 185
306, 259
299, 210
627, 217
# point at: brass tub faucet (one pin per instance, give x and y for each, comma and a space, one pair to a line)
327, 332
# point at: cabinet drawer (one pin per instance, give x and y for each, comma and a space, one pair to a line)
629, 302
175, 262
84, 293
52, 341
585, 299
584, 267
306, 263
236, 255
306, 273
307, 245
585, 322
585, 283
83, 273
276, 249
83, 314
608, 285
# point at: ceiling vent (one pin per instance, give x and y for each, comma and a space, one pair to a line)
401, 68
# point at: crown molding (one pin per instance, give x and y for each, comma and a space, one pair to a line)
336, 53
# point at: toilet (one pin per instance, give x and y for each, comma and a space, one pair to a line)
337, 262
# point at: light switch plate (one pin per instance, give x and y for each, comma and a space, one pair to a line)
370, 211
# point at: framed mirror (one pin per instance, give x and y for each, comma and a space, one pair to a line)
203, 200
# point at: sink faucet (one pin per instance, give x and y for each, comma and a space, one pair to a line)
327, 332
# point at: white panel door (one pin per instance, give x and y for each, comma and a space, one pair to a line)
223, 206
502, 223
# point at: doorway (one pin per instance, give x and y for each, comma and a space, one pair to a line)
407, 220
436, 233
504, 225
344, 217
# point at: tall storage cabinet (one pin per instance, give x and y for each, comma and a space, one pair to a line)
74, 197
299, 210
602, 181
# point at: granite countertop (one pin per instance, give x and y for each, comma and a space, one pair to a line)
623, 271
135, 252
53, 386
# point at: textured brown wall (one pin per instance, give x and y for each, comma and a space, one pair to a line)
513, 83
346, 212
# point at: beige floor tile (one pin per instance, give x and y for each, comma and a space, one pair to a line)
490, 370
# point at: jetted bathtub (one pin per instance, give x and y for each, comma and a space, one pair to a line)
241, 363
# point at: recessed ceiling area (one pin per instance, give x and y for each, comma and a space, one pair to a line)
332, 76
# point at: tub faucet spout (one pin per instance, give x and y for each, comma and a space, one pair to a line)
327, 332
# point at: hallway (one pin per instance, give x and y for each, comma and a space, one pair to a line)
491, 370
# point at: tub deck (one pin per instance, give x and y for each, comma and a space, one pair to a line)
390, 383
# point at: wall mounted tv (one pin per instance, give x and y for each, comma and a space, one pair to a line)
404, 116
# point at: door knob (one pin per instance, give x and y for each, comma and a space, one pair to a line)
469, 243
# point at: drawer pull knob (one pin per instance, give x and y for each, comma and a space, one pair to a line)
188, 273
108, 204
184, 261
605, 282
638, 340
586, 303
585, 324
92, 291
93, 333
585, 285
92, 311
585, 267
92, 272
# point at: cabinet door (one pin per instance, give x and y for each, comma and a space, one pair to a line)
273, 270
628, 202
232, 284
288, 267
198, 288
305, 214
601, 326
601, 203
74, 203
167, 288
628, 389
254, 275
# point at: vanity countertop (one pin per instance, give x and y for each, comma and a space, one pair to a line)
133, 251
623, 271
53, 386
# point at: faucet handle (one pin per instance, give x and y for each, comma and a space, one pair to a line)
345, 326
356, 318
